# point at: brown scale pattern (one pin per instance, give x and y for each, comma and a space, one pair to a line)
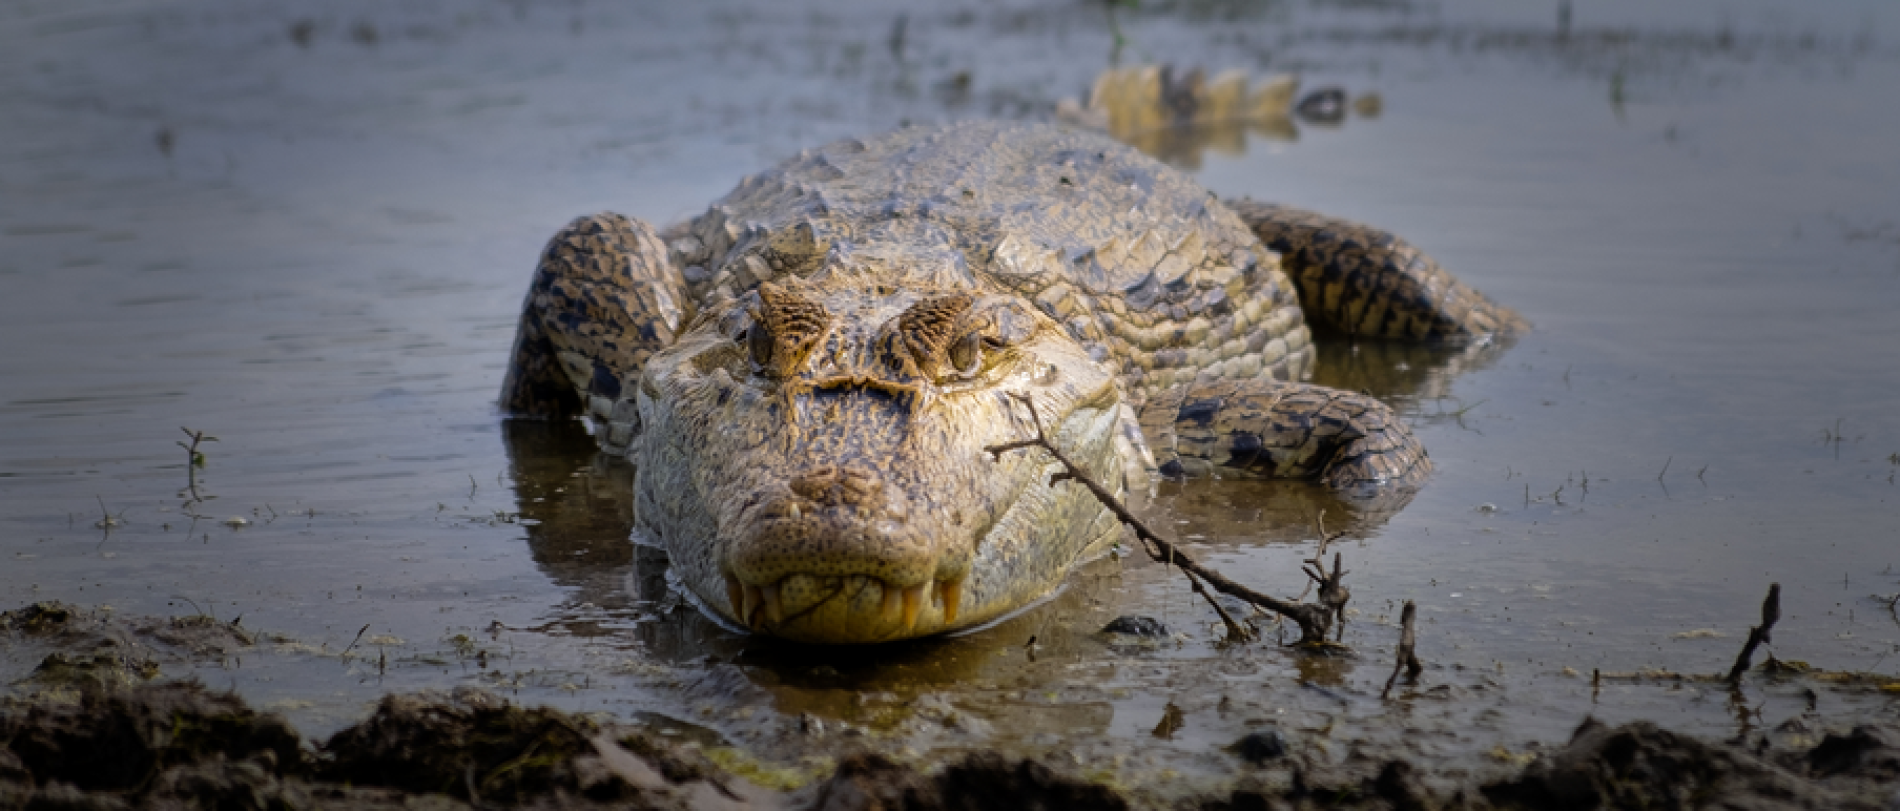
1359, 280
604, 298
1135, 261
1281, 430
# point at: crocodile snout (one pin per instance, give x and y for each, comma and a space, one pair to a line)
838, 536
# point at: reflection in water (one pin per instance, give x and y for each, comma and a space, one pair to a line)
1253, 511
1320, 672
1399, 371
576, 505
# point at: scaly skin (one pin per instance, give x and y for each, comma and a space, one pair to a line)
806, 375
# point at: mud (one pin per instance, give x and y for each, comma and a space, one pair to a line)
96, 725
183, 745
93, 649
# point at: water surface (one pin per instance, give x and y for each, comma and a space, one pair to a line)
307, 233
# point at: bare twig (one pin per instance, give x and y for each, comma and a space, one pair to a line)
1332, 592
1408, 656
1770, 611
1315, 621
1325, 539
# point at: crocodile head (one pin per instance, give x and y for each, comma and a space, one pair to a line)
811, 455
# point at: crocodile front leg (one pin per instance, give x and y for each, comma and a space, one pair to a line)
1277, 429
604, 297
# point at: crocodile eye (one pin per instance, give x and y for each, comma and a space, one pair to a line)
759, 345
966, 355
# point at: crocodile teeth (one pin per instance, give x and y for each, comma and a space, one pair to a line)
888, 609
735, 597
952, 597
913, 600
774, 610
754, 605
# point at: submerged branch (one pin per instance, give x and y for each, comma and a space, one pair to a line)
1315, 621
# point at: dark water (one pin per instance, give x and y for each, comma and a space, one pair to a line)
307, 233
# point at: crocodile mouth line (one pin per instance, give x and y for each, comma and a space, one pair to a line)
762, 607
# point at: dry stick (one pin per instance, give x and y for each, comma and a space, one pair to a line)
1314, 620
1332, 593
1408, 657
1325, 538
1770, 611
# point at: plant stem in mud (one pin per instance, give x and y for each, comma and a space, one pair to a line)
1408, 657
194, 459
1770, 611
1314, 620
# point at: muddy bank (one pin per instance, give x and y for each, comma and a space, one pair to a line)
97, 724
182, 745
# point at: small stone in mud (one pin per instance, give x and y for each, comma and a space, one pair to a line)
1259, 747
1136, 626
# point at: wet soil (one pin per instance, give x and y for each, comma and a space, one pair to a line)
182, 745
97, 727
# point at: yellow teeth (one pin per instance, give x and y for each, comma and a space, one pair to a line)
888, 609
754, 605
952, 597
913, 600
774, 610
735, 597
763, 608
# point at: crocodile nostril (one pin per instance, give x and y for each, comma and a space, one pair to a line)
814, 484
835, 486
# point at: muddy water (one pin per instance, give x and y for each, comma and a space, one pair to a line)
308, 236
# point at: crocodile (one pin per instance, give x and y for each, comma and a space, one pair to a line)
805, 377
